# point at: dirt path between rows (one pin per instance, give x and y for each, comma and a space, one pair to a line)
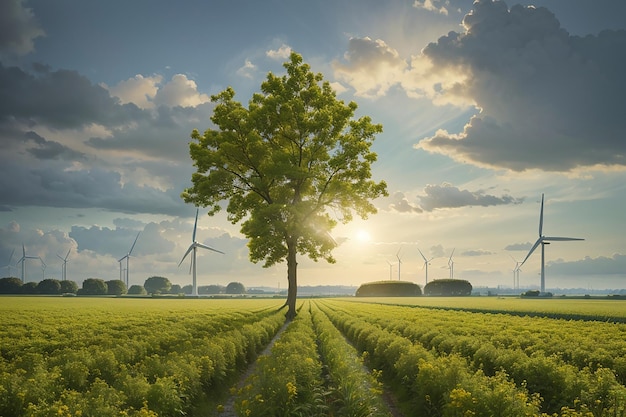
229, 406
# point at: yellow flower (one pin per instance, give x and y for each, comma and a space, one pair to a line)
292, 391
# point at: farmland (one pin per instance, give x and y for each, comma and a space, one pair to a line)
340, 357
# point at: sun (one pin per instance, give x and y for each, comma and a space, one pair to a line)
362, 236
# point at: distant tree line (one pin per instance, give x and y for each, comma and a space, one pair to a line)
96, 286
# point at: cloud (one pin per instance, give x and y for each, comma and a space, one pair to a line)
68, 142
281, 53
590, 267
138, 90
401, 204
476, 252
18, 27
247, 70
431, 6
448, 196
371, 67
547, 100
519, 246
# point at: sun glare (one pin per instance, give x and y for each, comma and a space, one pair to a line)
363, 236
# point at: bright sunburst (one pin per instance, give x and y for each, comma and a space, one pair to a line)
362, 236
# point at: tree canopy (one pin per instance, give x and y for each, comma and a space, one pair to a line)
157, 285
284, 164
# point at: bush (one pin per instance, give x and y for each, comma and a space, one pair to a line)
389, 289
10, 285
116, 287
157, 285
137, 290
448, 287
93, 286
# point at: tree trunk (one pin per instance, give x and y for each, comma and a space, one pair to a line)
292, 279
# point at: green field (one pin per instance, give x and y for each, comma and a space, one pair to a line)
472, 356
592, 308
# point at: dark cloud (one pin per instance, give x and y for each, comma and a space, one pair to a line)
547, 100
18, 27
448, 196
45, 149
59, 99
54, 186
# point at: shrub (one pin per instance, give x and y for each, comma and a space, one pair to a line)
389, 289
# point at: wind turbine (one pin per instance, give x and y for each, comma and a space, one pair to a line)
516, 270
23, 260
451, 265
43, 268
545, 240
390, 268
64, 266
193, 247
426, 262
399, 262
8, 265
127, 257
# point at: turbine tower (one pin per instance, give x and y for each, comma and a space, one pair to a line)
390, 269
64, 266
127, 257
426, 262
193, 247
8, 265
544, 240
399, 262
516, 270
451, 265
23, 260
43, 268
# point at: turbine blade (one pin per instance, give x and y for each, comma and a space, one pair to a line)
557, 238
200, 245
122, 258
541, 217
23, 251
186, 253
195, 225
537, 243
68, 254
423, 257
132, 247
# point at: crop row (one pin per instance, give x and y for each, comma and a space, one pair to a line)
583, 344
311, 371
125, 361
447, 362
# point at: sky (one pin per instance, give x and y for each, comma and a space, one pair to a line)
485, 106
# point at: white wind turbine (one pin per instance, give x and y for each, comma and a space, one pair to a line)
23, 260
8, 265
43, 268
390, 269
64, 266
399, 262
127, 257
451, 265
516, 271
544, 240
426, 263
193, 248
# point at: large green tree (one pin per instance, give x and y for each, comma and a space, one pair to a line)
295, 155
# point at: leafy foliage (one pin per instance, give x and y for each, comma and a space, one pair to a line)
389, 289
294, 154
157, 285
